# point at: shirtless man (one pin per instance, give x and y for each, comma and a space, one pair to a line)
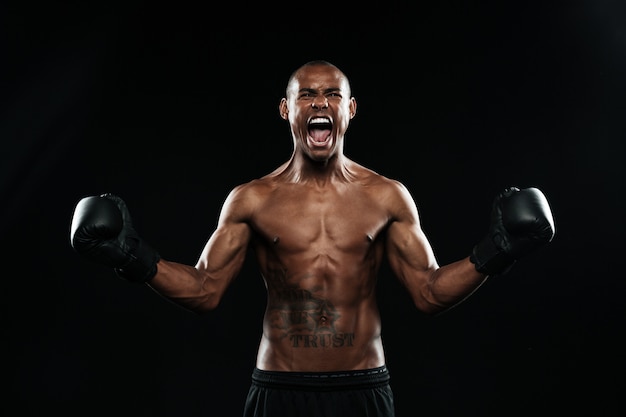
319, 225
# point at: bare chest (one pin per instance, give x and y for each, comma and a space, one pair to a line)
320, 221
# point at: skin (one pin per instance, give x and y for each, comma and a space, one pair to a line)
319, 226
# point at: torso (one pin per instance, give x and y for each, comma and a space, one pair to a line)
319, 248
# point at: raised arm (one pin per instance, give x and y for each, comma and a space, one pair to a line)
433, 288
201, 287
521, 221
102, 232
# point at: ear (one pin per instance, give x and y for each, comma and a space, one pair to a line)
282, 109
352, 107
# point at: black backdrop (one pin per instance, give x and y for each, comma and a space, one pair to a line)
170, 106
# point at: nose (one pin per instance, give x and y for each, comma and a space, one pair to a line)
320, 102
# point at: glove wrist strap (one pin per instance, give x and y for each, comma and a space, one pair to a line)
142, 264
488, 259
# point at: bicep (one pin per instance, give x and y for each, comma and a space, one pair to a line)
432, 288
200, 288
409, 252
224, 252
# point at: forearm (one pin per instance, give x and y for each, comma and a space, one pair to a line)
450, 284
185, 285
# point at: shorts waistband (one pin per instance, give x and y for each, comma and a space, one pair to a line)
322, 380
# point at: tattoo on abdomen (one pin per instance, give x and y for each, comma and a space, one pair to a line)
307, 321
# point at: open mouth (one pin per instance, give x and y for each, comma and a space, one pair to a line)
319, 131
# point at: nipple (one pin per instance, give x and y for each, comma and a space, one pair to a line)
276, 240
370, 238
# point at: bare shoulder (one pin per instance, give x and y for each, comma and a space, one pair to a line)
384, 186
244, 199
249, 196
390, 192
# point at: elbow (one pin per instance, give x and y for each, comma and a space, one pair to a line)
208, 303
427, 302
199, 308
199, 304
211, 304
195, 306
429, 307
208, 294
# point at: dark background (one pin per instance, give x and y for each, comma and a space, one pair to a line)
170, 106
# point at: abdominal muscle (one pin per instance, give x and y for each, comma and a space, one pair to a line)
321, 312
306, 331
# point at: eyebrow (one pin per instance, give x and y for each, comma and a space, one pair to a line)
312, 90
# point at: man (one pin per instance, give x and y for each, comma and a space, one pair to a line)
319, 225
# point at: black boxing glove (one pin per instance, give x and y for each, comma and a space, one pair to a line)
521, 221
102, 232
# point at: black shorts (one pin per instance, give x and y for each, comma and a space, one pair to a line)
320, 394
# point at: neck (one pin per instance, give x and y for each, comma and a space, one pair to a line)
301, 168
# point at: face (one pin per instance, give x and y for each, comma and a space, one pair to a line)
319, 108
